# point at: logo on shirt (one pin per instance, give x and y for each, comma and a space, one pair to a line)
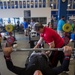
44, 35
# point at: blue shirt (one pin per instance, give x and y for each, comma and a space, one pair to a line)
60, 25
25, 24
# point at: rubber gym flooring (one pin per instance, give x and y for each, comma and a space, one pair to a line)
19, 58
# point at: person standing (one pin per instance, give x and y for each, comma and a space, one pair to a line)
61, 22
51, 37
32, 23
25, 24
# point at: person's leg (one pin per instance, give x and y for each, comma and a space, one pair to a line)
61, 56
54, 59
25, 32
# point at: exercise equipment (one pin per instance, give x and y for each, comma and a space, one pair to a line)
67, 27
66, 40
66, 37
73, 36
10, 40
37, 49
9, 28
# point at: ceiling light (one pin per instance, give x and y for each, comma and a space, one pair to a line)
51, 4
68, 5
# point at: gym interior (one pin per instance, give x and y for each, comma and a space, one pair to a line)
13, 13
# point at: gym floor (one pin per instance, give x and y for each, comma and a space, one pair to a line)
19, 58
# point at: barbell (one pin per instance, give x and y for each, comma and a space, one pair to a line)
37, 49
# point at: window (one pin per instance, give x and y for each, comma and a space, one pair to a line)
54, 6
24, 4
28, 4
53, 12
27, 13
9, 6
9, 21
43, 20
5, 5
1, 5
71, 12
74, 6
12, 4
32, 4
36, 3
44, 3
16, 4
36, 19
20, 4
40, 3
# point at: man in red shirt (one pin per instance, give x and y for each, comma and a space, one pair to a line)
51, 37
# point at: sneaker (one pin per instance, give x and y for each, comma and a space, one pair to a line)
71, 40
71, 59
66, 71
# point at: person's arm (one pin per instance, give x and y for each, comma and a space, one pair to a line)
39, 42
51, 45
17, 70
65, 64
11, 67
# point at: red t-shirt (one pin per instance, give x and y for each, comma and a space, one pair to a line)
50, 35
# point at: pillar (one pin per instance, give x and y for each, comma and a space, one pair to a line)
47, 3
62, 8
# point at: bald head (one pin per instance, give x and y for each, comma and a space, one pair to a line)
37, 72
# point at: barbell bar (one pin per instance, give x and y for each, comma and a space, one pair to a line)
37, 49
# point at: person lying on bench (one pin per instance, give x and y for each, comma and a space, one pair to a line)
38, 63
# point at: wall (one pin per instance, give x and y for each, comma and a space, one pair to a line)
35, 12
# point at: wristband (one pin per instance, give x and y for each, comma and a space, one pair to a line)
67, 57
7, 57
